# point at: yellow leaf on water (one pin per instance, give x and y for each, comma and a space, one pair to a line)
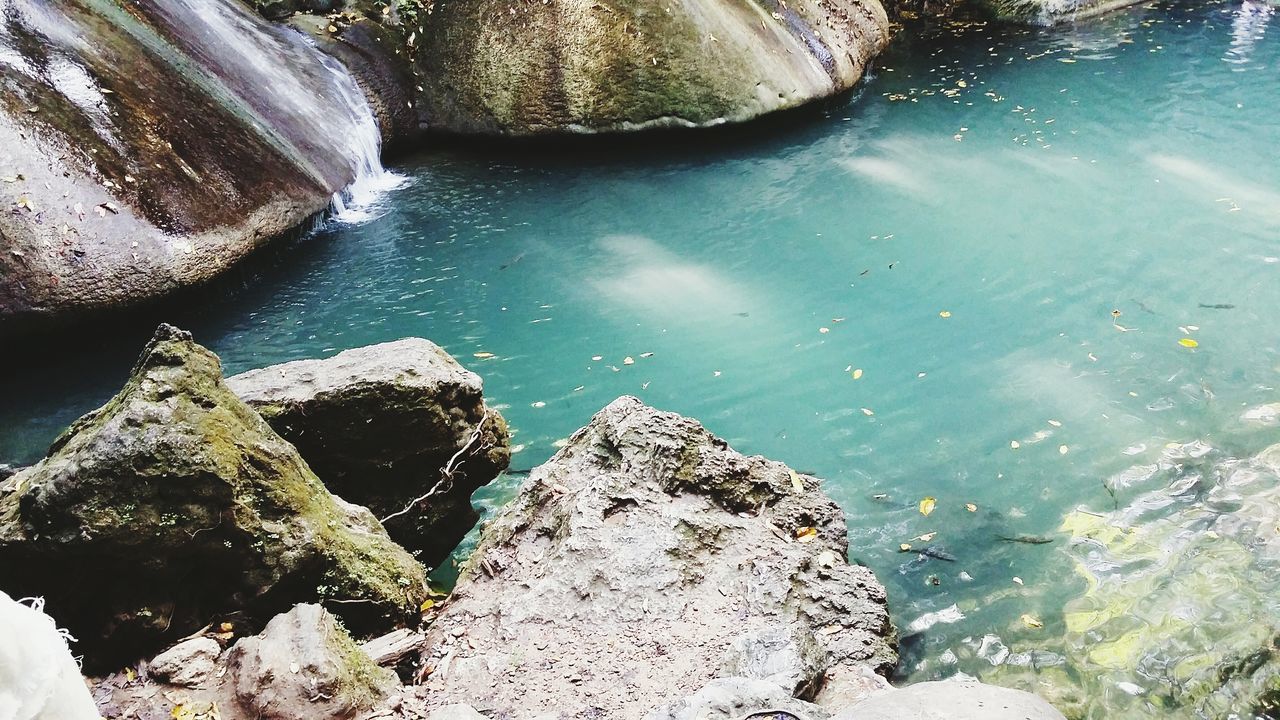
971, 507
482, 355
904, 547
857, 374
806, 534
796, 483
944, 314
927, 505
1031, 621
1188, 343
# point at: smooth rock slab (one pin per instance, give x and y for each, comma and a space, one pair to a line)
190, 663
632, 561
379, 423
952, 700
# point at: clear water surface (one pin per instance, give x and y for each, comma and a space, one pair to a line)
961, 233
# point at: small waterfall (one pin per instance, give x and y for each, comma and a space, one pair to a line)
362, 200
307, 97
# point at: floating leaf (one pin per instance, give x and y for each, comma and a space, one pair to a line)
1017, 580
806, 534
597, 358
646, 354
1188, 343
1031, 621
538, 404
628, 360
927, 537
971, 507
1063, 449
1055, 423
868, 412
927, 505
482, 355
944, 314
904, 547
1015, 444
857, 374
823, 330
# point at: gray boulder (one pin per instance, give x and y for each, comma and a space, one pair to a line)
494, 67
304, 665
176, 503
190, 663
786, 656
952, 700
380, 425
633, 561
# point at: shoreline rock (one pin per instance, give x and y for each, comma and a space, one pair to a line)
631, 566
175, 505
380, 425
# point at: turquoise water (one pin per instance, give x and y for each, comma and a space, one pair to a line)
961, 233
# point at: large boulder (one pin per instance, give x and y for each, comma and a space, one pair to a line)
591, 66
151, 145
638, 562
175, 504
384, 425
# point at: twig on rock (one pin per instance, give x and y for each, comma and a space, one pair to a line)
446, 473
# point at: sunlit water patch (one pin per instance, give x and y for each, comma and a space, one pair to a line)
1029, 274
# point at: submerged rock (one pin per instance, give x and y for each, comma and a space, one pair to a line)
174, 504
1049, 12
380, 424
151, 145
638, 562
493, 67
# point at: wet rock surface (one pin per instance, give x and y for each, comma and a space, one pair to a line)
490, 67
630, 565
174, 505
380, 424
147, 152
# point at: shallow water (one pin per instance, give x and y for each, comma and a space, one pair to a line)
961, 233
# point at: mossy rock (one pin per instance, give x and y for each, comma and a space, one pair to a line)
587, 66
175, 504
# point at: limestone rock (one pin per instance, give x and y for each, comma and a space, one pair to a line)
843, 686
788, 657
379, 423
492, 67
190, 663
631, 562
952, 700
456, 712
304, 665
174, 503
153, 144
739, 699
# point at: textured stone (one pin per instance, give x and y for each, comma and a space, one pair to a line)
952, 700
580, 66
175, 502
632, 561
739, 699
190, 663
379, 423
304, 665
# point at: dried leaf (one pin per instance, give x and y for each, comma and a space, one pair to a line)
857, 374
971, 507
904, 547
927, 537
927, 505
628, 360
796, 483
1188, 343
806, 534
1031, 621
944, 314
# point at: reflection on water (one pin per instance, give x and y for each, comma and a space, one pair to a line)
1051, 254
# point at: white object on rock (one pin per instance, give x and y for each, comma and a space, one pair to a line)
39, 680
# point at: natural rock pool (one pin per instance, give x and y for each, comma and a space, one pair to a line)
912, 296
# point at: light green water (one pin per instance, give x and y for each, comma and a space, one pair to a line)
1026, 183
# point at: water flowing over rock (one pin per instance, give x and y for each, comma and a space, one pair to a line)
380, 424
174, 505
582, 66
151, 145
631, 564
